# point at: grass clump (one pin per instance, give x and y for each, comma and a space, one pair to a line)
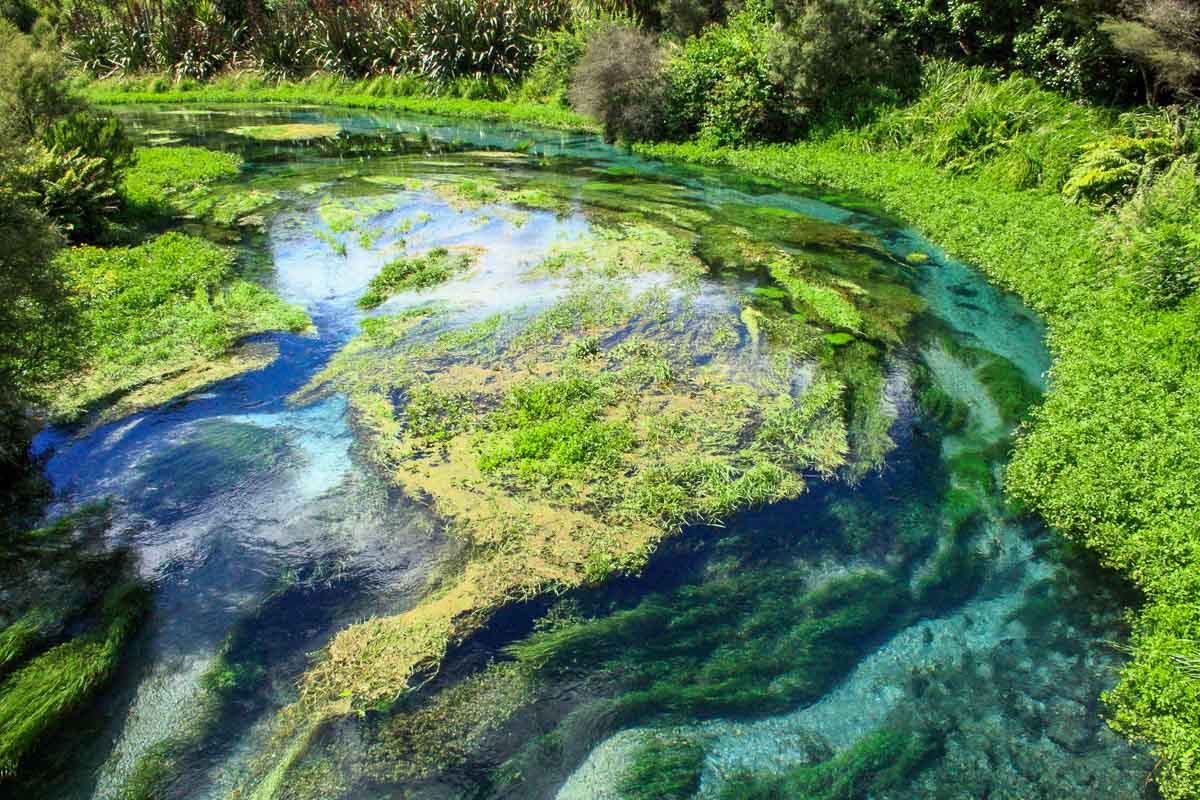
415, 272
150, 311
542, 431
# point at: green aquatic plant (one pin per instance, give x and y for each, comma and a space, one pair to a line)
289, 132
415, 272
951, 413
170, 305
757, 642
168, 175
48, 688
664, 767
1012, 392
880, 761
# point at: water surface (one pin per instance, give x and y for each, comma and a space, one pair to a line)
264, 527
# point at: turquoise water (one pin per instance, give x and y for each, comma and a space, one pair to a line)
264, 530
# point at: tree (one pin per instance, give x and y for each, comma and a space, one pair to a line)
620, 82
829, 48
32, 90
1163, 35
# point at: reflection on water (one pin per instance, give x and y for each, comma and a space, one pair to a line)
264, 531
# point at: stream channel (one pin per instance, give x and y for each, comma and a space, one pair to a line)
556, 439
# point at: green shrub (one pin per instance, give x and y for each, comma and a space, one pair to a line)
76, 191
722, 86
1109, 170
1158, 238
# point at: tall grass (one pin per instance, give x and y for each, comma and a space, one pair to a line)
440, 39
1009, 131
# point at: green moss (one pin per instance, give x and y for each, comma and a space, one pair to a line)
876, 763
664, 767
415, 272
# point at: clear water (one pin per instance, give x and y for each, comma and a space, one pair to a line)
264, 529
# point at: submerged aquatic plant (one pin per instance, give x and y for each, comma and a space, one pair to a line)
664, 767
878, 762
38, 696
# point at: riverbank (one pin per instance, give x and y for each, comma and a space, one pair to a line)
373, 94
1110, 459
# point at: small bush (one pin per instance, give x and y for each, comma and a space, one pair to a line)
1158, 237
76, 191
620, 82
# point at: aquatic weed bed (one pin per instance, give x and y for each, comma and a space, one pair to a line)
622, 471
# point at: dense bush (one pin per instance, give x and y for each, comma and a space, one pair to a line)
1060, 44
722, 84
75, 190
61, 158
620, 81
